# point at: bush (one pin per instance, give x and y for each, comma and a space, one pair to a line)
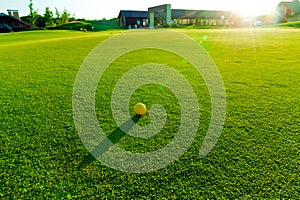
166, 26
174, 26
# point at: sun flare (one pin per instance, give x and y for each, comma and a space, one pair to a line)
251, 8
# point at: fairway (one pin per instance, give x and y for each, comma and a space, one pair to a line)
256, 156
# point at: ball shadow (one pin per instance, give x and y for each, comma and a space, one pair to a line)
112, 138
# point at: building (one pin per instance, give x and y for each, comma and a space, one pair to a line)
12, 22
131, 18
204, 17
163, 14
288, 11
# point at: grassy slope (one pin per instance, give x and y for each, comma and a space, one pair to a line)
257, 155
291, 24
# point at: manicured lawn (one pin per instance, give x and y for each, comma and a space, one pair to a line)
257, 155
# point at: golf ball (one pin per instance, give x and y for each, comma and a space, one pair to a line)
140, 109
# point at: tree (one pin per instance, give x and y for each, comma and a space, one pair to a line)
48, 17
65, 16
33, 14
57, 19
72, 18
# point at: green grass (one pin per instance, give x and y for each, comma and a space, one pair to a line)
291, 24
84, 26
73, 26
202, 27
102, 27
257, 155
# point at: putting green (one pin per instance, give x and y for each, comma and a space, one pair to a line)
255, 157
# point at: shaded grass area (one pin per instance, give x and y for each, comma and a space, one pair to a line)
84, 26
103, 27
257, 155
12, 41
73, 26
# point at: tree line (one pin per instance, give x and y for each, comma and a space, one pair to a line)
48, 18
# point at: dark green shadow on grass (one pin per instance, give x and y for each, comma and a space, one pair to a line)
114, 138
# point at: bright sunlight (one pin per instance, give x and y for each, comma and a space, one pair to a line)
252, 8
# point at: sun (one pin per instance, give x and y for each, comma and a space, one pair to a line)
252, 8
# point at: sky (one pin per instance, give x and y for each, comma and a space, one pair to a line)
98, 9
